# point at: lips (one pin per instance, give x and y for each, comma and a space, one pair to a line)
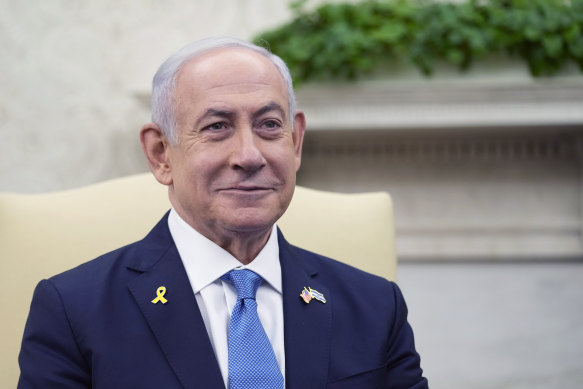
246, 189
249, 188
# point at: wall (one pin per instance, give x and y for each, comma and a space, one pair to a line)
71, 73
484, 165
479, 195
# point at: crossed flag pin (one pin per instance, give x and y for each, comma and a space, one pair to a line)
308, 294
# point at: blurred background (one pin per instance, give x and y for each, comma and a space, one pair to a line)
469, 113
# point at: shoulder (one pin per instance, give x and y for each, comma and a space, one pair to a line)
335, 269
119, 264
83, 290
97, 269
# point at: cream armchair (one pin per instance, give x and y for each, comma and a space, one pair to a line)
42, 235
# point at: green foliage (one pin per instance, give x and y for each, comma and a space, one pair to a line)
350, 40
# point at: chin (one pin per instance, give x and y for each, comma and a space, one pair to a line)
252, 221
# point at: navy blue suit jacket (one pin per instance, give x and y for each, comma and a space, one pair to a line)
95, 326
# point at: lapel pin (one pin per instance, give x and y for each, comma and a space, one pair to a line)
160, 292
308, 294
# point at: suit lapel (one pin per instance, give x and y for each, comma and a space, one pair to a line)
307, 326
177, 325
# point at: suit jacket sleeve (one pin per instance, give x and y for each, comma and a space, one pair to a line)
403, 368
49, 356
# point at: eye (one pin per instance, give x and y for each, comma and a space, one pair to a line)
271, 124
216, 126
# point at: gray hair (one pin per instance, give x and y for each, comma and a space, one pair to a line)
164, 82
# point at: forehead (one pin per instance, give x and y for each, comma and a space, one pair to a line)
231, 72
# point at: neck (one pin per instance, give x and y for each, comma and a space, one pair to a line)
244, 246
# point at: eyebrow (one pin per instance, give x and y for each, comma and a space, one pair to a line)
273, 106
212, 112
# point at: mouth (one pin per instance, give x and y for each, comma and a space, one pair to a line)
247, 189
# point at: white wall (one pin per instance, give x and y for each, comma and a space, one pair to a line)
483, 195
71, 72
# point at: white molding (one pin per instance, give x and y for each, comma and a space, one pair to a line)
445, 147
439, 104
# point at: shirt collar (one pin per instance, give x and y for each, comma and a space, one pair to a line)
205, 261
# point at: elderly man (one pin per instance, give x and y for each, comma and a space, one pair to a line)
214, 297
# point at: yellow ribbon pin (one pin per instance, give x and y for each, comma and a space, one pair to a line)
160, 292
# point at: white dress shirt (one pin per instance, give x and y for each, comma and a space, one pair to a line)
205, 262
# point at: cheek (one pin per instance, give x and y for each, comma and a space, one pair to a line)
199, 164
282, 155
285, 169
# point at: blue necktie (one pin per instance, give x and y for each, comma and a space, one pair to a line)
252, 362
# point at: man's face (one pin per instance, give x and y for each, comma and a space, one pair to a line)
233, 168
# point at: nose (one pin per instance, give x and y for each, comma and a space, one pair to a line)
246, 154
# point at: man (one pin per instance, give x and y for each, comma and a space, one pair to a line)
169, 311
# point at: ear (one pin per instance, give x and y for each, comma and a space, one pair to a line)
156, 146
298, 136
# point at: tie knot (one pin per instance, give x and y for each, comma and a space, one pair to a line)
245, 281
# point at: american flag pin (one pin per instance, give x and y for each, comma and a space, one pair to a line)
308, 294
